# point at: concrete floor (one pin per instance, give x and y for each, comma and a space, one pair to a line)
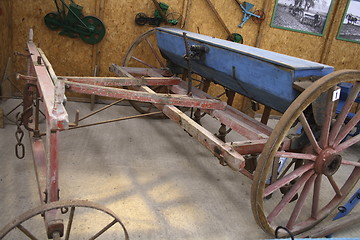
158, 180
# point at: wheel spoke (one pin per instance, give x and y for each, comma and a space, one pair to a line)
316, 197
71, 217
324, 136
143, 62
347, 129
344, 112
351, 163
26, 232
309, 133
287, 179
300, 202
296, 155
107, 227
334, 186
155, 53
347, 143
289, 195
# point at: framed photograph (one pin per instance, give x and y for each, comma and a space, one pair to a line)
306, 16
350, 25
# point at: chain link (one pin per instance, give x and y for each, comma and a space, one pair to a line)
19, 134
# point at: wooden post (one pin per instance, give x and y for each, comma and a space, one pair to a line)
263, 26
99, 11
331, 35
186, 14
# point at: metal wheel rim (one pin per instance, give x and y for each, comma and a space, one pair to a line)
270, 149
58, 205
126, 61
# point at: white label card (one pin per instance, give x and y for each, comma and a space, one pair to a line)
336, 94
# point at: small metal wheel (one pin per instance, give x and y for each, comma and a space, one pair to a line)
140, 19
52, 20
261, 15
94, 31
81, 220
298, 187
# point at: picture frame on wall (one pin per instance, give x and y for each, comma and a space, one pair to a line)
306, 16
350, 25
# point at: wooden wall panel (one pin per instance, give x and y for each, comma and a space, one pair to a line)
338, 53
74, 57
5, 46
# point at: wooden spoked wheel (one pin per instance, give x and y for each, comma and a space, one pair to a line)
144, 53
298, 188
75, 215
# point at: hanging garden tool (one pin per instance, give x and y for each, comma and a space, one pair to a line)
258, 16
73, 23
160, 16
234, 37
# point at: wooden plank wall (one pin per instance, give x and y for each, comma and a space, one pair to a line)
74, 57
5, 47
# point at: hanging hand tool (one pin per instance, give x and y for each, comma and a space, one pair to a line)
235, 37
160, 15
73, 23
258, 16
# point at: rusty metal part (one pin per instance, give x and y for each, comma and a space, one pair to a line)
321, 159
222, 130
265, 116
58, 205
19, 134
97, 111
112, 120
231, 117
188, 60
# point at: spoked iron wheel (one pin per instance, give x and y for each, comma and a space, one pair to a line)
298, 188
82, 220
144, 53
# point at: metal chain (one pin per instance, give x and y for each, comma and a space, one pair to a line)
19, 134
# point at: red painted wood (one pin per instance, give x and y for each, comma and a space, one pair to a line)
155, 98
